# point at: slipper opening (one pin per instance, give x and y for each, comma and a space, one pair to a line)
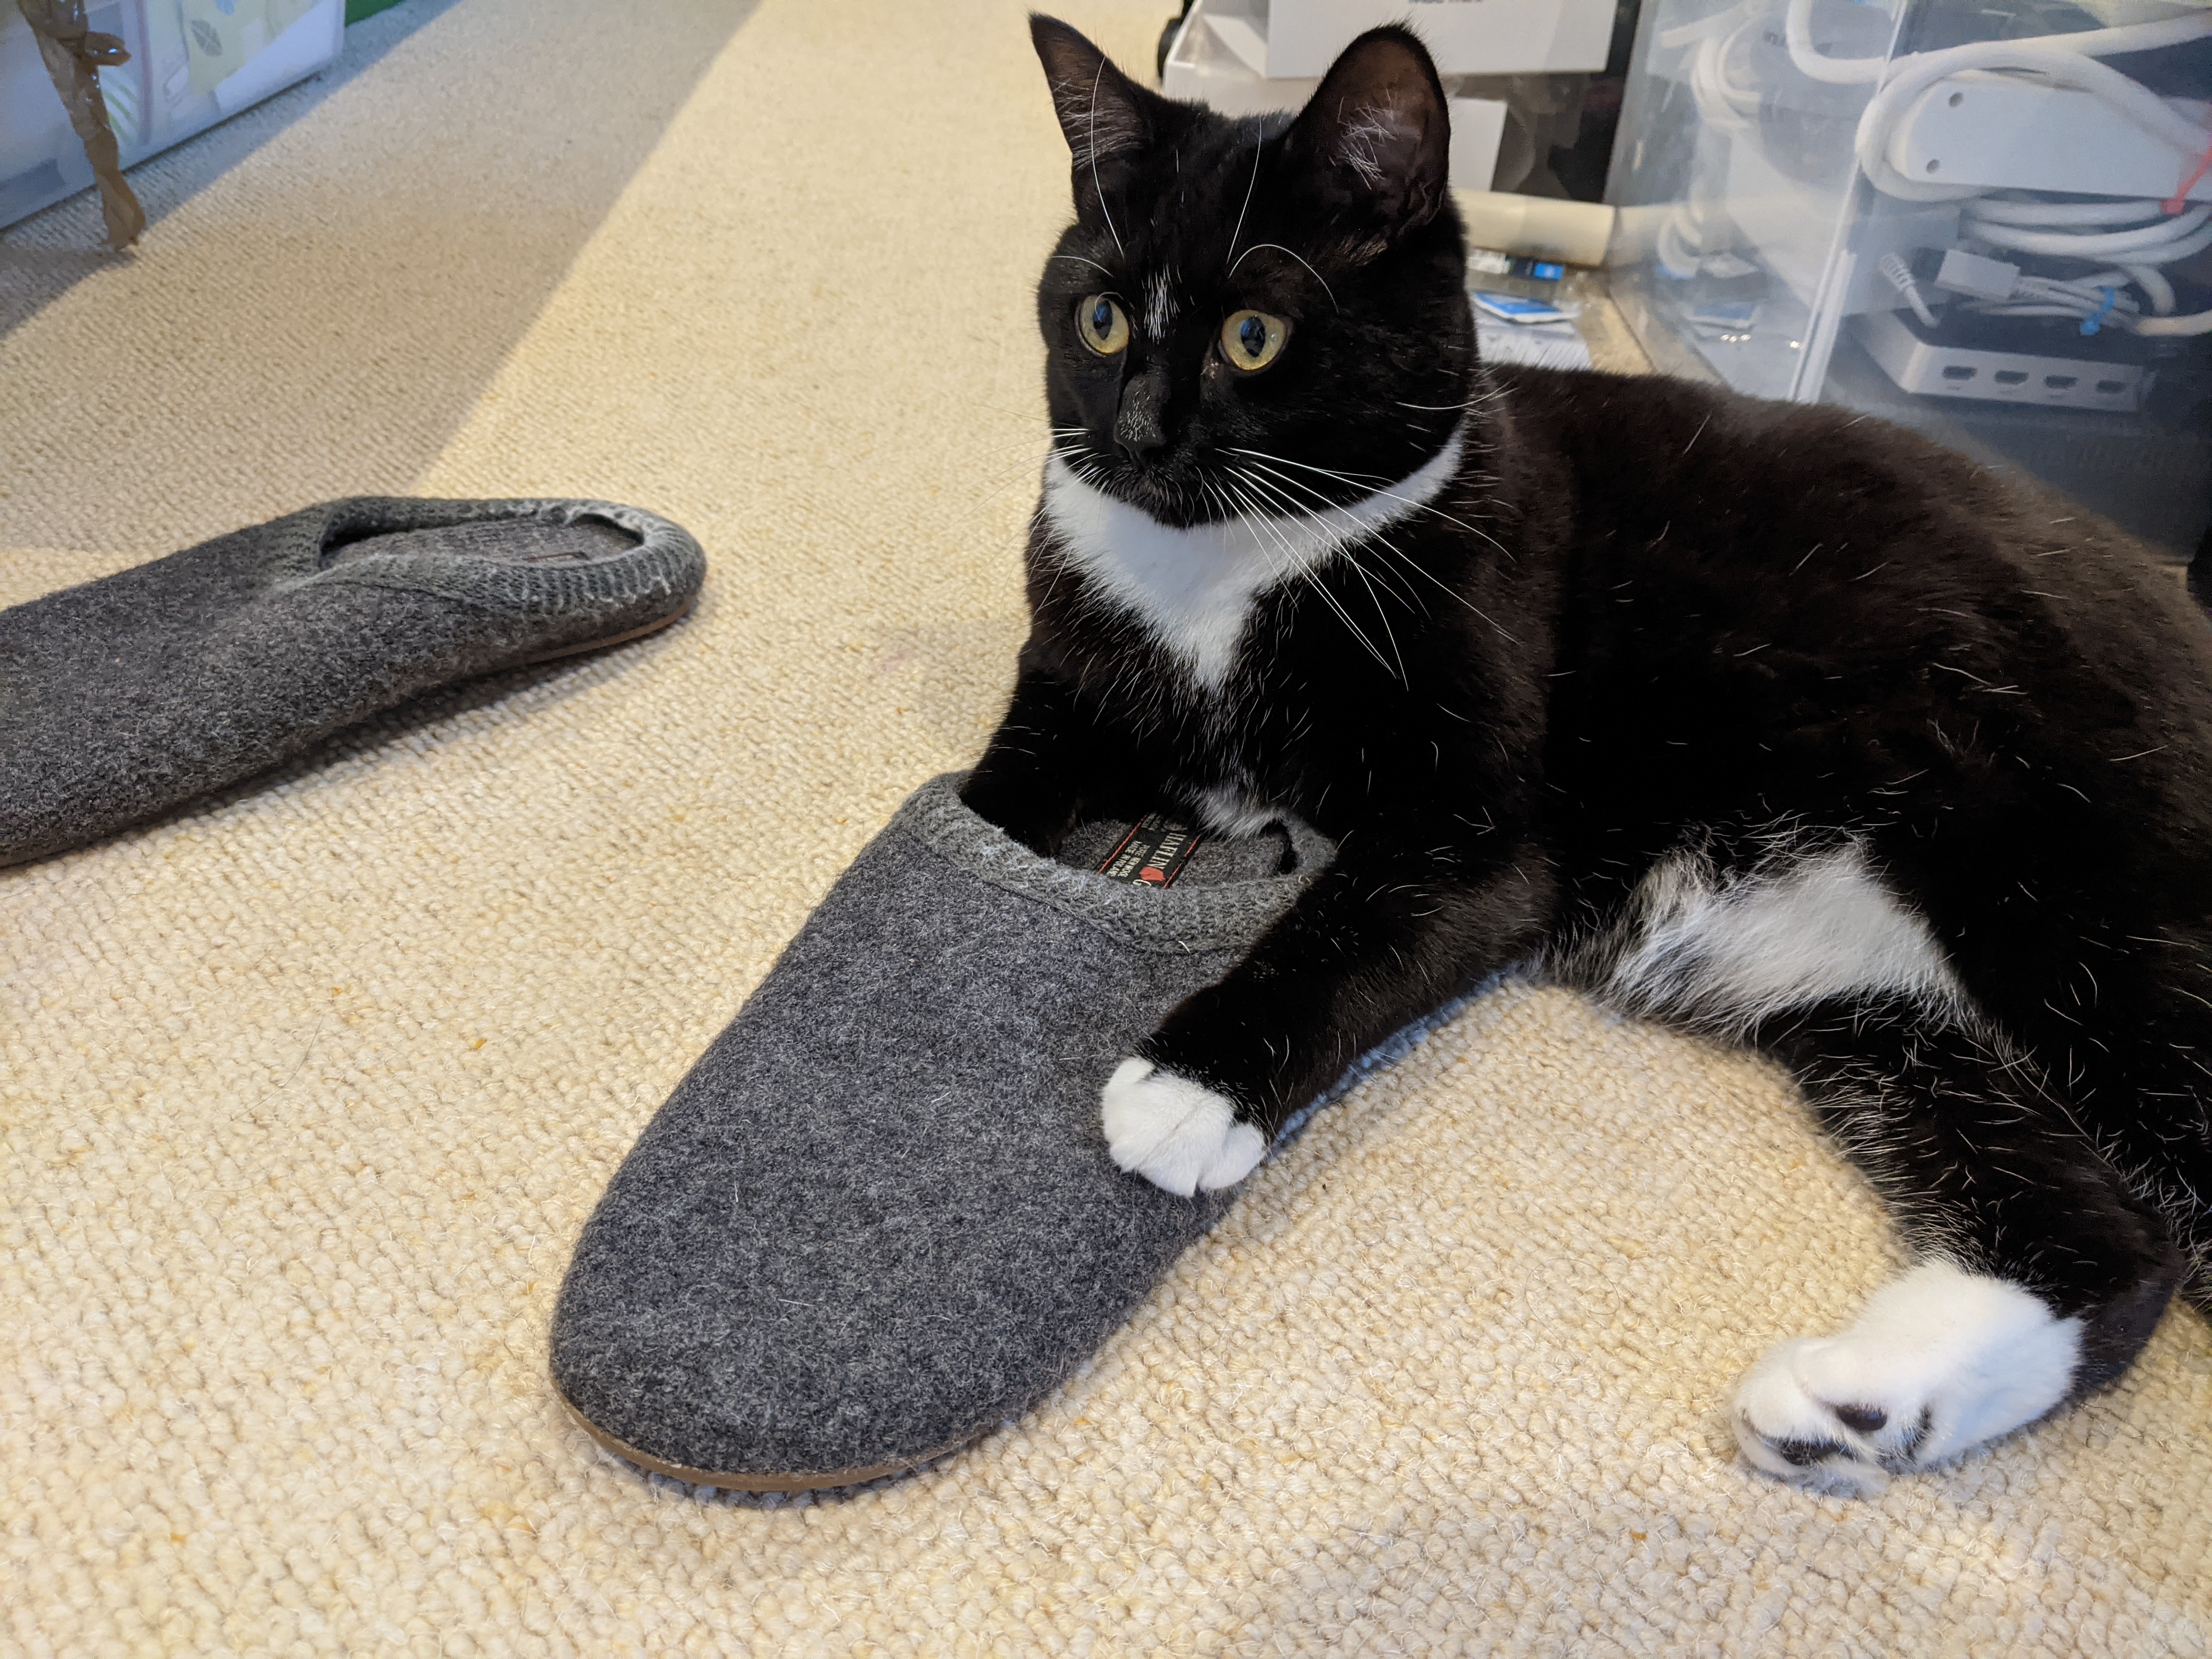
1216, 861
524, 542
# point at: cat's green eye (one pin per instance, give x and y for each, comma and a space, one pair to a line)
1103, 324
1251, 340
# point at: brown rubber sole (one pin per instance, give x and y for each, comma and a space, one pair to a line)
782, 1480
668, 621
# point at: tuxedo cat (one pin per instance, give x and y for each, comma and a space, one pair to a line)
1766, 720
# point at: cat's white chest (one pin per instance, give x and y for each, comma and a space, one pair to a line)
1194, 588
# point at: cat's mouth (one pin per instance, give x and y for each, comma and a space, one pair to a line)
1165, 499
1177, 495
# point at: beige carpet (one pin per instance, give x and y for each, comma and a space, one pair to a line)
306, 1094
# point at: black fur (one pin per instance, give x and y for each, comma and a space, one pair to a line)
1644, 614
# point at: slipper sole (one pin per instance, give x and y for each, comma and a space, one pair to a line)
782, 1480
690, 603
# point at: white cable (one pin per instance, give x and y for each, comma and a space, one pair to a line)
2068, 60
1685, 236
1797, 34
1705, 29
2097, 296
2152, 281
2089, 285
2164, 241
1893, 266
2091, 294
2010, 211
2156, 244
2045, 310
2075, 230
1719, 99
2198, 322
1673, 251
2036, 296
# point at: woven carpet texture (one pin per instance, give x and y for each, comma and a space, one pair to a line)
305, 1092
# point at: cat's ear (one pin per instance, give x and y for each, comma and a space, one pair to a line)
1104, 114
1376, 132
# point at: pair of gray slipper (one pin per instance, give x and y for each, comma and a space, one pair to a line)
125, 697
878, 1218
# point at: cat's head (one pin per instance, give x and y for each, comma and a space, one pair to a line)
1256, 315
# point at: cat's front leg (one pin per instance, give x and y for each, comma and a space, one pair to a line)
1376, 942
1030, 782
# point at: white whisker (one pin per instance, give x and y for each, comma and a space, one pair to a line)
1273, 489
1256, 516
1347, 555
1300, 257
1076, 258
1366, 481
1241, 212
1095, 185
1405, 558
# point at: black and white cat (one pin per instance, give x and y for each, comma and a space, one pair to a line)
1762, 720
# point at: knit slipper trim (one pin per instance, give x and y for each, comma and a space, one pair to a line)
1175, 920
667, 560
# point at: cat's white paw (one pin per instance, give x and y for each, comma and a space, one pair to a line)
1941, 1361
1177, 1134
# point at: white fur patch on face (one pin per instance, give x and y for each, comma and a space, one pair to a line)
1941, 1361
1729, 952
1178, 1135
1194, 588
1160, 306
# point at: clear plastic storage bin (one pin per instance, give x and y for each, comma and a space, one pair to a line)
192, 63
1987, 221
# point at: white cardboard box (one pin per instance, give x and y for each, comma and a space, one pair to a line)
1281, 39
1201, 68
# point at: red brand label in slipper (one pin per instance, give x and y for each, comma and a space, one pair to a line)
1154, 851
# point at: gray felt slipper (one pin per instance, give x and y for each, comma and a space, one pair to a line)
125, 697
878, 1217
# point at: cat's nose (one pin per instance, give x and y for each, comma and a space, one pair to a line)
1140, 446
1139, 431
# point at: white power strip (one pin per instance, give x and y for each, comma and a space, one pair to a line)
2000, 133
2004, 377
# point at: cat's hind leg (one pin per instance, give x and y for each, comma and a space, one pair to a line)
2040, 1275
